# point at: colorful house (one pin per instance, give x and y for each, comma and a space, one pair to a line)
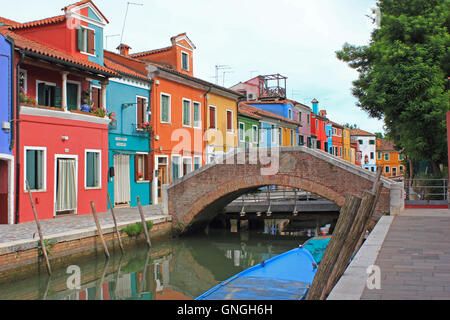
183, 108
60, 150
318, 127
129, 144
367, 146
6, 143
346, 147
338, 146
329, 144
248, 126
389, 159
304, 119
355, 153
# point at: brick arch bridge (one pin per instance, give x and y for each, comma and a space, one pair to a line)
196, 198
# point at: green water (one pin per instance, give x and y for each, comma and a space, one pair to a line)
173, 269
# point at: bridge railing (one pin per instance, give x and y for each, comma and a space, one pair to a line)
426, 191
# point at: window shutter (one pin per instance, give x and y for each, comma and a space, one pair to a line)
140, 112
95, 97
58, 97
229, 123
136, 167
91, 41
212, 118
80, 39
41, 94
147, 175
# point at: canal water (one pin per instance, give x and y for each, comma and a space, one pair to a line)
173, 269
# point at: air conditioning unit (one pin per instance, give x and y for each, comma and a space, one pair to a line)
6, 126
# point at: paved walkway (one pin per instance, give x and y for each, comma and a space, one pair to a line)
24, 235
412, 251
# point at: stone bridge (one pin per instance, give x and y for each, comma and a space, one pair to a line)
195, 199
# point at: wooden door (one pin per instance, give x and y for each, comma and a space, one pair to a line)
162, 179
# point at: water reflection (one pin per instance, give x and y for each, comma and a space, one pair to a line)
175, 269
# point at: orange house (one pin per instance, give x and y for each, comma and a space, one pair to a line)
389, 159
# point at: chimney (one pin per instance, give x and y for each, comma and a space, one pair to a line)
124, 49
323, 113
315, 104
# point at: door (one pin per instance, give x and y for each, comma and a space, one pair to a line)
4, 192
162, 179
66, 186
394, 172
122, 194
72, 96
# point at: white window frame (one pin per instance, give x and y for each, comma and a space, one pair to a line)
255, 136
170, 108
387, 169
292, 137
232, 122
44, 168
182, 164
388, 156
99, 169
190, 113
87, 42
242, 132
215, 116
145, 112
188, 66
290, 114
180, 168
141, 153
200, 162
199, 113
273, 133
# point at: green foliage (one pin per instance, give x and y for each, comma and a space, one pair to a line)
48, 246
134, 230
403, 75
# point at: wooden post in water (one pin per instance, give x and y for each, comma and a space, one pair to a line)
99, 229
345, 220
144, 224
115, 223
38, 224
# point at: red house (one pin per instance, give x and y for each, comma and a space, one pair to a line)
60, 146
318, 127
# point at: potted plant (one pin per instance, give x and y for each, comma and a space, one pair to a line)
147, 127
140, 176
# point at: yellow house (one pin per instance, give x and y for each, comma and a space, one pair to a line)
221, 122
347, 152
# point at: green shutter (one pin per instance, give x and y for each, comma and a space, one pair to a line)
92, 174
31, 169
80, 39
164, 109
72, 96
58, 97
41, 94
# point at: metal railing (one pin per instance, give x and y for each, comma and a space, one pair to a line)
426, 191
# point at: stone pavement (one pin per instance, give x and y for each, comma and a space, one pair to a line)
412, 251
24, 236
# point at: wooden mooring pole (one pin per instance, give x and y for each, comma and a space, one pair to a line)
99, 229
144, 224
345, 220
38, 224
115, 223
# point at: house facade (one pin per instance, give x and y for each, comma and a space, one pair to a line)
304, 119
60, 150
367, 147
248, 127
6, 111
128, 97
337, 138
346, 147
390, 160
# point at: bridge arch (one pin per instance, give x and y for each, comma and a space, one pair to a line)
196, 198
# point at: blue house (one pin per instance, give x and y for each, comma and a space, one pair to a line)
130, 172
7, 94
329, 138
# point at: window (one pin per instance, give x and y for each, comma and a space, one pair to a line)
340, 151
372, 155
290, 114
48, 94
280, 136
273, 134
317, 124
229, 120
292, 137
401, 169
197, 115
318, 144
401, 157
92, 169
197, 162
35, 168
73, 95
212, 117
308, 118
301, 141
86, 40
165, 108
254, 134
241, 131
186, 113
299, 116
372, 169
386, 169
141, 172
371, 141
175, 167
141, 111
379, 155
360, 141
96, 96
185, 61
187, 166
386, 156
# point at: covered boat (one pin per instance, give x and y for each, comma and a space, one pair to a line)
287, 276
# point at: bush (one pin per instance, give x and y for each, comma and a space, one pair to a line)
134, 230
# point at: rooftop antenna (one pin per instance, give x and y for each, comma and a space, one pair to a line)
220, 67
110, 36
126, 13
223, 83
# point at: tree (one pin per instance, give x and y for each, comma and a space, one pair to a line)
403, 75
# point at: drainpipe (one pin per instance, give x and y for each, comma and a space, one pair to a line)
150, 137
16, 121
205, 143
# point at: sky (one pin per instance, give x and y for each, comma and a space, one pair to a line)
296, 38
